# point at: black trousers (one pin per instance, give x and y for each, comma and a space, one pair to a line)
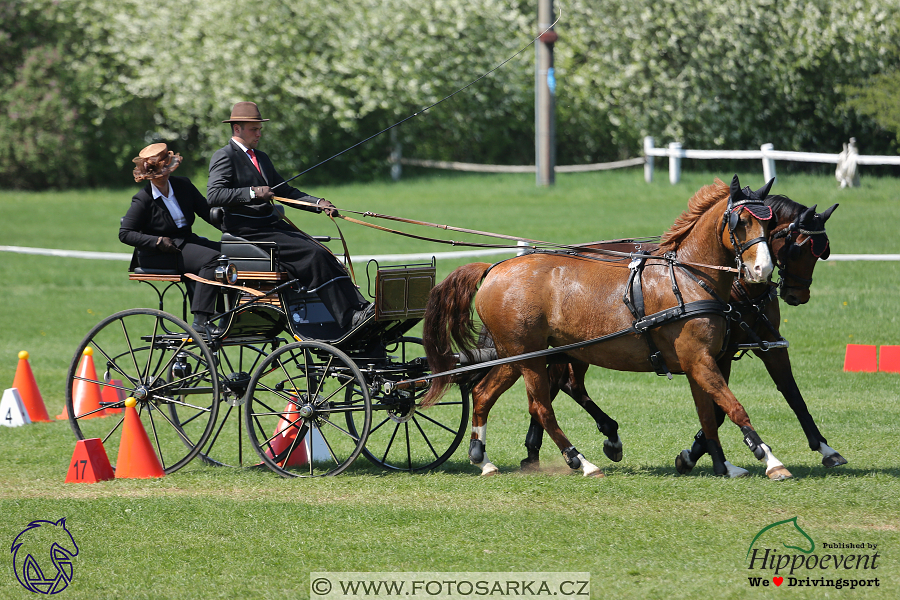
312, 265
199, 256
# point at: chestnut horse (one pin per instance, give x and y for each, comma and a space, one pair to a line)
798, 240
532, 302
755, 305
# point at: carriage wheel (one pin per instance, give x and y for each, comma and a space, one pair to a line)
404, 437
161, 362
226, 446
295, 406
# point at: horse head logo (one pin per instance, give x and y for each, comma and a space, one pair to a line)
783, 533
31, 549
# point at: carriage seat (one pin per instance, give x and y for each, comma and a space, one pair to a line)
139, 273
172, 276
248, 256
217, 216
143, 271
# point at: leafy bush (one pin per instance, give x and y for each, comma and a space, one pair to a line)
709, 73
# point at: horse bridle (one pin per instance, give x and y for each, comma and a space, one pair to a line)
730, 218
791, 248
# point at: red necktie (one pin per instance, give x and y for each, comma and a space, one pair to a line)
252, 154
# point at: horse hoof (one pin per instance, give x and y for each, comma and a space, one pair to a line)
733, 472
489, 470
528, 464
834, 460
613, 452
683, 462
778, 473
598, 473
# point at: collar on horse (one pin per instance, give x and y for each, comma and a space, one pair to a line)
754, 310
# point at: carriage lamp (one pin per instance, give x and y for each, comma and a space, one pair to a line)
226, 272
181, 368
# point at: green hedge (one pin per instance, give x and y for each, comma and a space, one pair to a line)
94, 80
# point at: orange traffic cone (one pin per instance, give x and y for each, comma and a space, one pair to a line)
86, 394
285, 434
111, 395
89, 463
28, 390
136, 460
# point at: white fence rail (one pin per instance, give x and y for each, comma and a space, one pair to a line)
767, 153
674, 152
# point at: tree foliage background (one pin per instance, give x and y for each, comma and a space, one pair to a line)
84, 84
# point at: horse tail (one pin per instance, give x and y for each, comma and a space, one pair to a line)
448, 320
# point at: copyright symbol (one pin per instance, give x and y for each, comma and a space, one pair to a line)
321, 586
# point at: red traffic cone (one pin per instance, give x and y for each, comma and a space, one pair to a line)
86, 394
136, 459
28, 390
89, 463
111, 395
285, 434
860, 358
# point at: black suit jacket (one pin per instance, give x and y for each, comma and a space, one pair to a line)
232, 174
148, 218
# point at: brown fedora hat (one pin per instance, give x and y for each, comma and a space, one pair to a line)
154, 161
245, 112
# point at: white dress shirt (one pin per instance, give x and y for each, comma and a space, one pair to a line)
246, 151
171, 204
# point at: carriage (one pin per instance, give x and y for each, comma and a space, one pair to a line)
281, 378
311, 397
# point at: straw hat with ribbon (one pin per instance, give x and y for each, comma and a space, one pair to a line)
154, 161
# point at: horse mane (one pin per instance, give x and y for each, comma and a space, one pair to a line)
703, 200
784, 208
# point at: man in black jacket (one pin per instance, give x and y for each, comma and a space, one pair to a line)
241, 179
158, 224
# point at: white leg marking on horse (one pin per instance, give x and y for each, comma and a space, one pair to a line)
488, 468
770, 459
590, 469
775, 469
826, 450
733, 471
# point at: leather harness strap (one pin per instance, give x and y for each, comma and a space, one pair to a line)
579, 249
247, 290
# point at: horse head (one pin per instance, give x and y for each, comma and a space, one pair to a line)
795, 264
745, 229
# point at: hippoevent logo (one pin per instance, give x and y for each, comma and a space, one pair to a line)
783, 554
42, 556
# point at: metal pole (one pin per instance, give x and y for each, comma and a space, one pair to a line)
544, 92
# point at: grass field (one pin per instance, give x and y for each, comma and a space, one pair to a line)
642, 532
